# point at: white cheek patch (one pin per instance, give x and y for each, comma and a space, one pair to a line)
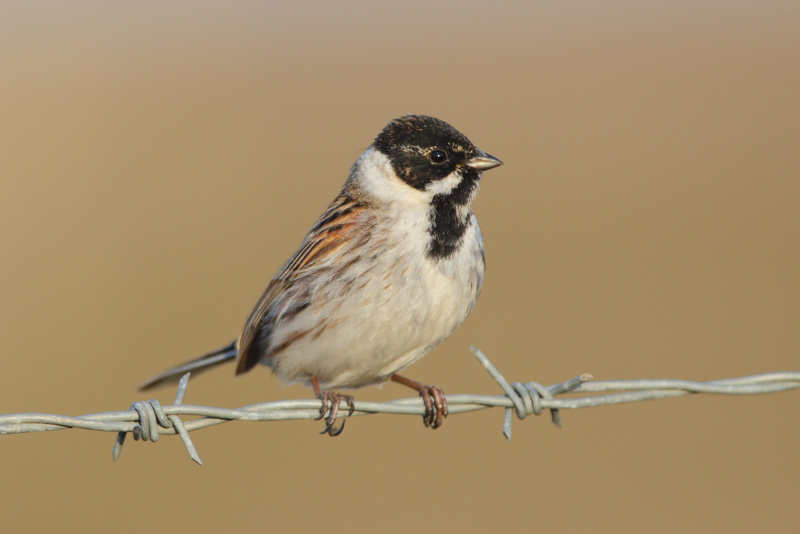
377, 177
446, 185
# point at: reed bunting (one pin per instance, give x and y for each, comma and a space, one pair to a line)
389, 271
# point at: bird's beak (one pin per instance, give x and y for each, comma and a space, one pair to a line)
482, 161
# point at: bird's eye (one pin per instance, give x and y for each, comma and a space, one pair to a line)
437, 156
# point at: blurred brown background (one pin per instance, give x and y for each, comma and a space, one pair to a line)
158, 162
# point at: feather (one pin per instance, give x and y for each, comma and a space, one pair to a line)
335, 230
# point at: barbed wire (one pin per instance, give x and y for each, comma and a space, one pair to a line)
146, 420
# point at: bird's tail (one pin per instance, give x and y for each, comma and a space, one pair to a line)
203, 363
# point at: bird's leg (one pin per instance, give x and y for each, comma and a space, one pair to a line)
433, 397
335, 400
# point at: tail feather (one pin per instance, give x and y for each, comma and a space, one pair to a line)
203, 363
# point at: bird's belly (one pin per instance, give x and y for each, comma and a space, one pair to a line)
382, 324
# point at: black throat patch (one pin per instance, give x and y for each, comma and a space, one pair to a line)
447, 224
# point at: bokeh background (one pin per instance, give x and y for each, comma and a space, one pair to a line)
159, 161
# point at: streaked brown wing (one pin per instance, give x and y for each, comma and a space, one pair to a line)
335, 228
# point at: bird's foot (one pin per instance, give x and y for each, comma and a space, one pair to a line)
330, 405
435, 406
335, 399
433, 398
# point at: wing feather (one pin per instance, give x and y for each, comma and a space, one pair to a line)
343, 221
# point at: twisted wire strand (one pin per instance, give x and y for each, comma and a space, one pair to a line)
147, 420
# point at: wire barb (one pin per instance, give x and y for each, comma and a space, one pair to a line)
151, 416
527, 397
148, 420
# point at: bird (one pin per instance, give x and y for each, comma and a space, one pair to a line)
387, 272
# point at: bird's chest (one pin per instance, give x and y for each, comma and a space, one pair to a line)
429, 296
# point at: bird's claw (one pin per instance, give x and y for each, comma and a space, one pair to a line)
335, 399
435, 406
